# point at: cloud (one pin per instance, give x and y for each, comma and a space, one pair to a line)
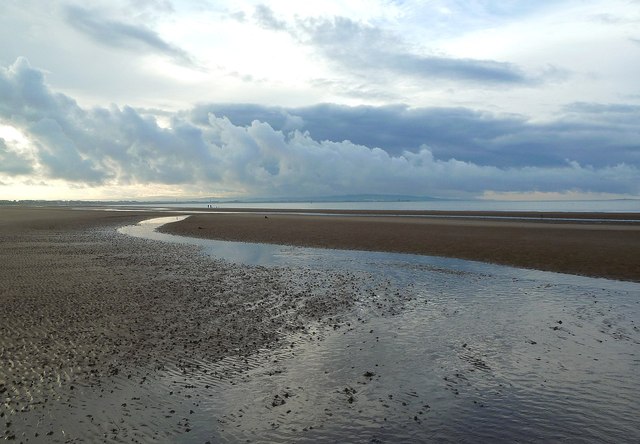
267, 19
119, 34
592, 134
12, 163
616, 109
614, 19
368, 49
59, 154
119, 146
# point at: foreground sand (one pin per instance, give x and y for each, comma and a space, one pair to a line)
85, 310
608, 249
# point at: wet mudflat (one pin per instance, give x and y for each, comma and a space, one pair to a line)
300, 345
440, 349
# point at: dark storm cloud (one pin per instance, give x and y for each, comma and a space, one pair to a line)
463, 134
119, 34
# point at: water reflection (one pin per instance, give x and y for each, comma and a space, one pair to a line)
478, 353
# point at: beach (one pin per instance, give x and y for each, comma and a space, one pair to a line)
108, 337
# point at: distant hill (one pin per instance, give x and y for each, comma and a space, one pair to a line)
340, 198
200, 200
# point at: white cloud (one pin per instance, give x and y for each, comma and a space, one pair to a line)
437, 53
116, 148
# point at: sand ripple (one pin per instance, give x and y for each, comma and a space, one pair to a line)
89, 319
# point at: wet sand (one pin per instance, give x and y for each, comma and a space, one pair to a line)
84, 311
609, 249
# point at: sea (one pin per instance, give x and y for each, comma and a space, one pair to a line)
578, 206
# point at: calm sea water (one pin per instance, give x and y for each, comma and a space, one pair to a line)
606, 206
474, 353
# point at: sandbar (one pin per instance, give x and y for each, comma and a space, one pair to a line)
591, 244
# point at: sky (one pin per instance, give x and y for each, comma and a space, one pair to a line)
135, 99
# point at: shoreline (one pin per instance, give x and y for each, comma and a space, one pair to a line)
633, 217
608, 249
